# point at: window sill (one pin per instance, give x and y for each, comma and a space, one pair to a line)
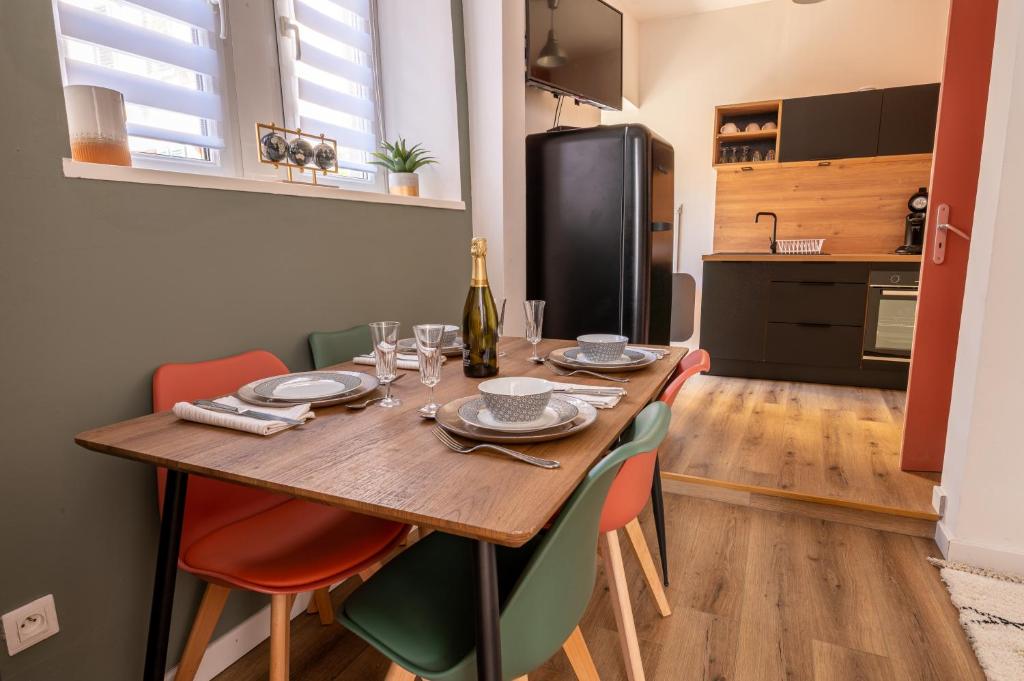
97, 171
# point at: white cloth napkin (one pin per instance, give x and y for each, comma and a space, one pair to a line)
580, 392
190, 412
405, 360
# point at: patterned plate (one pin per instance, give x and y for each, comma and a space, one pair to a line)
566, 358
306, 386
558, 413
367, 384
409, 345
448, 418
627, 358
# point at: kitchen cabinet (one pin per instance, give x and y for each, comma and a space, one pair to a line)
908, 120
831, 126
733, 310
800, 320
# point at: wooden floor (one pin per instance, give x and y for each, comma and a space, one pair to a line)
796, 439
757, 596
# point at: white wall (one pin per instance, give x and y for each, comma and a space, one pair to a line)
984, 461
502, 111
770, 50
418, 71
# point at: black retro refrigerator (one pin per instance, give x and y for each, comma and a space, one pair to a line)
599, 228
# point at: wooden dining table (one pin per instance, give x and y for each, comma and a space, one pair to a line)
384, 463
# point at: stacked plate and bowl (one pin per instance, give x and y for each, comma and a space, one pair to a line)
602, 352
516, 409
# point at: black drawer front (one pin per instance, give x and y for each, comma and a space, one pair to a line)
817, 303
839, 272
814, 345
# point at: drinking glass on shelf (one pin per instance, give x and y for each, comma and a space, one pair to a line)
745, 154
732, 154
769, 155
534, 323
429, 346
723, 155
756, 157
385, 350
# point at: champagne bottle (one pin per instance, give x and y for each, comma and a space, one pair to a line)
479, 320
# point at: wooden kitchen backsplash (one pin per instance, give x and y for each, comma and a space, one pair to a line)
856, 205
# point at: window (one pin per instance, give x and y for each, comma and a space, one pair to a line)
327, 50
165, 57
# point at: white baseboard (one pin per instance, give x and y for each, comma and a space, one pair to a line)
230, 647
1003, 559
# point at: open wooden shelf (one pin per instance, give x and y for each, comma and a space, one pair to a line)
740, 165
742, 115
743, 136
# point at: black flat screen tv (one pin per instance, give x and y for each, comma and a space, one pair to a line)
574, 48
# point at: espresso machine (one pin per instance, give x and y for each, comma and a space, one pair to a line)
913, 234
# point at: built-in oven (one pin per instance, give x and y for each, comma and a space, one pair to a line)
892, 309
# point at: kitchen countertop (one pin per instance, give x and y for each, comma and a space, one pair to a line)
839, 257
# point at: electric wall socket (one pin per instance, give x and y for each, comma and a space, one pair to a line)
30, 624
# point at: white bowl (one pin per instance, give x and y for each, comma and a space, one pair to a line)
602, 347
448, 336
729, 128
753, 127
516, 398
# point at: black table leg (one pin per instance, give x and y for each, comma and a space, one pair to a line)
488, 632
658, 508
166, 573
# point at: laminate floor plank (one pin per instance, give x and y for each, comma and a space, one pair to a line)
757, 595
833, 443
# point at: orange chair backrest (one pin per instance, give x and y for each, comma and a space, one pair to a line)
632, 486
211, 504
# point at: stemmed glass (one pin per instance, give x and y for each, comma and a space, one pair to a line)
429, 344
534, 323
501, 323
385, 349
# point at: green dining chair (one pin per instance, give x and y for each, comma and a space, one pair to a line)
418, 610
335, 347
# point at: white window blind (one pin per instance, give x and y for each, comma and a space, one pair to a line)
164, 56
328, 76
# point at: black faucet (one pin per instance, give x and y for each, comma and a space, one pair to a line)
773, 245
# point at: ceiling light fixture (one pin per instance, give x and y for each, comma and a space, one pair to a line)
552, 55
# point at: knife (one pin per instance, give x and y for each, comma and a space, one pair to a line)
601, 392
261, 415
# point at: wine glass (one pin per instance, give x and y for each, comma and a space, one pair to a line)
385, 349
429, 343
501, 323
534, 323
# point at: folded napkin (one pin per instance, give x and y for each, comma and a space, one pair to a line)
590, 393
190, 412
405, 360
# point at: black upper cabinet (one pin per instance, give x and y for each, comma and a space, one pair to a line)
908, 120
831, 126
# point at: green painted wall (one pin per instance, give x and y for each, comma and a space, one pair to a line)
100, 282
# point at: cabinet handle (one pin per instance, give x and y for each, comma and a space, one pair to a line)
815, 324
822, 164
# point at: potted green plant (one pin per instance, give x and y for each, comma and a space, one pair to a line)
402, 163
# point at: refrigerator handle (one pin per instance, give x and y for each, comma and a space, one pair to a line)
661, 226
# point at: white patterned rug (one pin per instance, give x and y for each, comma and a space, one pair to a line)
992, 612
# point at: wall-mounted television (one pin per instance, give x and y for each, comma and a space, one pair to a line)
574, 48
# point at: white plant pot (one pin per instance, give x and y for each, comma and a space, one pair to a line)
404, 184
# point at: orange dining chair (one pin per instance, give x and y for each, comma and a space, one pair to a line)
237, 537
627, 497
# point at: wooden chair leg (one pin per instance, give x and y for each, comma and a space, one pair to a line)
311, 608
616, 576
280, 636
202, 629
579, 657
522, 678
398, 673
324, 606
643, 554
366, 573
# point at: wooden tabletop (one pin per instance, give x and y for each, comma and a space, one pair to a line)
386, 462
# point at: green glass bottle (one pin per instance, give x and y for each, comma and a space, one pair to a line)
479, 320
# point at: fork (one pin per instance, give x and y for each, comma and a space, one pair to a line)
563, 372
456, 446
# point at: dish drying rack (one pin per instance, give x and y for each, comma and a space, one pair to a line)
799, 246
